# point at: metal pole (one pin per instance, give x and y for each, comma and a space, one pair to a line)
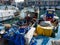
16, 4
38, 13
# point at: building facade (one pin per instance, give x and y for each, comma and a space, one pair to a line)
43, 2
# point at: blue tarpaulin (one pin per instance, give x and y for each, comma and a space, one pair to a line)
14, 37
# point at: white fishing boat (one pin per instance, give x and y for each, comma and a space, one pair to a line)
25, 11
7, 12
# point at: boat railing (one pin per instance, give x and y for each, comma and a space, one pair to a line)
6, 16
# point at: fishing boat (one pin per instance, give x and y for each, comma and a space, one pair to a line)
8, 12
25, 12
48, 24
50, 15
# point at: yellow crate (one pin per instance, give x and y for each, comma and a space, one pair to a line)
47, 32
39, 30
42, 31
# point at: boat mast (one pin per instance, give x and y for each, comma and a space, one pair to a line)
16, 3
38, 13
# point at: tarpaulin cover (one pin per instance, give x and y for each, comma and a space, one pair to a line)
14, 37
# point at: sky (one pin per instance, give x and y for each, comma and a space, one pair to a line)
19, 0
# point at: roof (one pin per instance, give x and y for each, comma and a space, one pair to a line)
51, 9
29, 9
